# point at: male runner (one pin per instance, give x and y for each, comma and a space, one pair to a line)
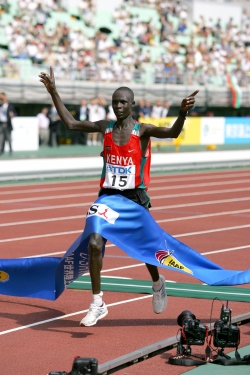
126, 155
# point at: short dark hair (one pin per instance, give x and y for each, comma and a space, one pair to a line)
127, 90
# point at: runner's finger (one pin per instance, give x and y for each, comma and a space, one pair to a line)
51, 72
194, 93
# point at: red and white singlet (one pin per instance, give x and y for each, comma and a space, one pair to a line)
124, 167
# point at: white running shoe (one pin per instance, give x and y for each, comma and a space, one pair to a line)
160, 298
94, 314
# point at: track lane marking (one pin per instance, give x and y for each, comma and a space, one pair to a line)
168, 288
87, 204
108, 305
41, 236
69, 315
78, 205
80, 231
202, 216
154, 180
45, 190
71, 205
173, 187
62, 218
139, 264
212, 230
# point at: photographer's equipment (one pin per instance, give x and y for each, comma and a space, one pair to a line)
81, 366
224, 334
193, 332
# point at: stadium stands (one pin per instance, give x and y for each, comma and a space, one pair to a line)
150, 41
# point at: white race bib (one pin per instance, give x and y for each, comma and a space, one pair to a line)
119, 177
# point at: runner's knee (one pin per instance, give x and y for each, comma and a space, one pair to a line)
95, 247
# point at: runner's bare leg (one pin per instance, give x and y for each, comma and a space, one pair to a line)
153, 270
95, 261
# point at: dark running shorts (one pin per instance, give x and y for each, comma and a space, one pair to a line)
136, 195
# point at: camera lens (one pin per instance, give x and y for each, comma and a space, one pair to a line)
184, 317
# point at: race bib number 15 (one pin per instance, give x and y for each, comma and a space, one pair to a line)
119, 177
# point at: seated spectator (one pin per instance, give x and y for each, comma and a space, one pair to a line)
165, 109
146, 110
157, 109
182, 26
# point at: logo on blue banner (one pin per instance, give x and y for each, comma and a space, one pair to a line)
166, 258
4, 276
103, 211
128, 226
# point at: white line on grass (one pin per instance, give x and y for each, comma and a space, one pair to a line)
169, 288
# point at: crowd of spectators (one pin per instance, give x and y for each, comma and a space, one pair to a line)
209, 49
51, 127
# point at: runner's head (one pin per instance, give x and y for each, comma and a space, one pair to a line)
122, 102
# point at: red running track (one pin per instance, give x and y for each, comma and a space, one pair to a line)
209, 211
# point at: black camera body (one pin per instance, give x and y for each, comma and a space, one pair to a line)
193, 331
226, 335
81, 366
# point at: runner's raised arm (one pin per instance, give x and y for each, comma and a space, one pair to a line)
149, 130
69, 121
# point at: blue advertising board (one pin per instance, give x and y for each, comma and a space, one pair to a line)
237, 130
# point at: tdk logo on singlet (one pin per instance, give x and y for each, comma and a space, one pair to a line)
118, 170
120, 160
103, 211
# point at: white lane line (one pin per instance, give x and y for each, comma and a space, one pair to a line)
199, 216
173, 187
226, 250
202, 203
49, 197
62, 218
69, 315
202, 216
84, 184
212, 231
43, 208
84, 311
49, 183
142, 264
193, 194
200, 176
56, 253
41, 236
197, 185
45, 190
80, 231
169, 288
87, 204
109, 305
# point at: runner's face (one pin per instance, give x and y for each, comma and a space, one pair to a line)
122, 104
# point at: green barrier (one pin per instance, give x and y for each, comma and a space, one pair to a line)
173, 289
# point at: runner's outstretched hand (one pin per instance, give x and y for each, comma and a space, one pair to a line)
188, 102
48, 80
